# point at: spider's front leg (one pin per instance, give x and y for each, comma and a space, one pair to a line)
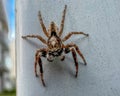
39, 53
75, 60
78, 51
67, 50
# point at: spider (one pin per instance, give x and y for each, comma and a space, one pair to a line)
55, 45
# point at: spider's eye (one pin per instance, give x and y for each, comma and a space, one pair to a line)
53, 33
67, 50
50, 53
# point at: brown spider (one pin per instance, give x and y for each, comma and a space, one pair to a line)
55, 46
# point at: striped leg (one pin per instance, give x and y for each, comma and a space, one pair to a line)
35, 36
75, 60
41, 70
73, 33
35, 65
62, 21
78, 51
39, 53
42, 24
67, 50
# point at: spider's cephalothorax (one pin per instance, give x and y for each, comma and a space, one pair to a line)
55, 45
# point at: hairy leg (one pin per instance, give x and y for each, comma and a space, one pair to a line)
69, 49
71, 33
41, 52
41, 70
62, 21
35, 36
75, 60
42, 24
78, 51
35, 65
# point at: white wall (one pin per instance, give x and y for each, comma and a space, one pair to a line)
99, 18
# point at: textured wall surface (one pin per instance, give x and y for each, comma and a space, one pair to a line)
100, 19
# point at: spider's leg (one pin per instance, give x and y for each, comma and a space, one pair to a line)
41, 52
42, 24
69, 49
78, 51
35, 64
75, 60
41, 70
35, 36
71, 33
62, 21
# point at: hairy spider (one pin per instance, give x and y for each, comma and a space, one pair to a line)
55, 46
